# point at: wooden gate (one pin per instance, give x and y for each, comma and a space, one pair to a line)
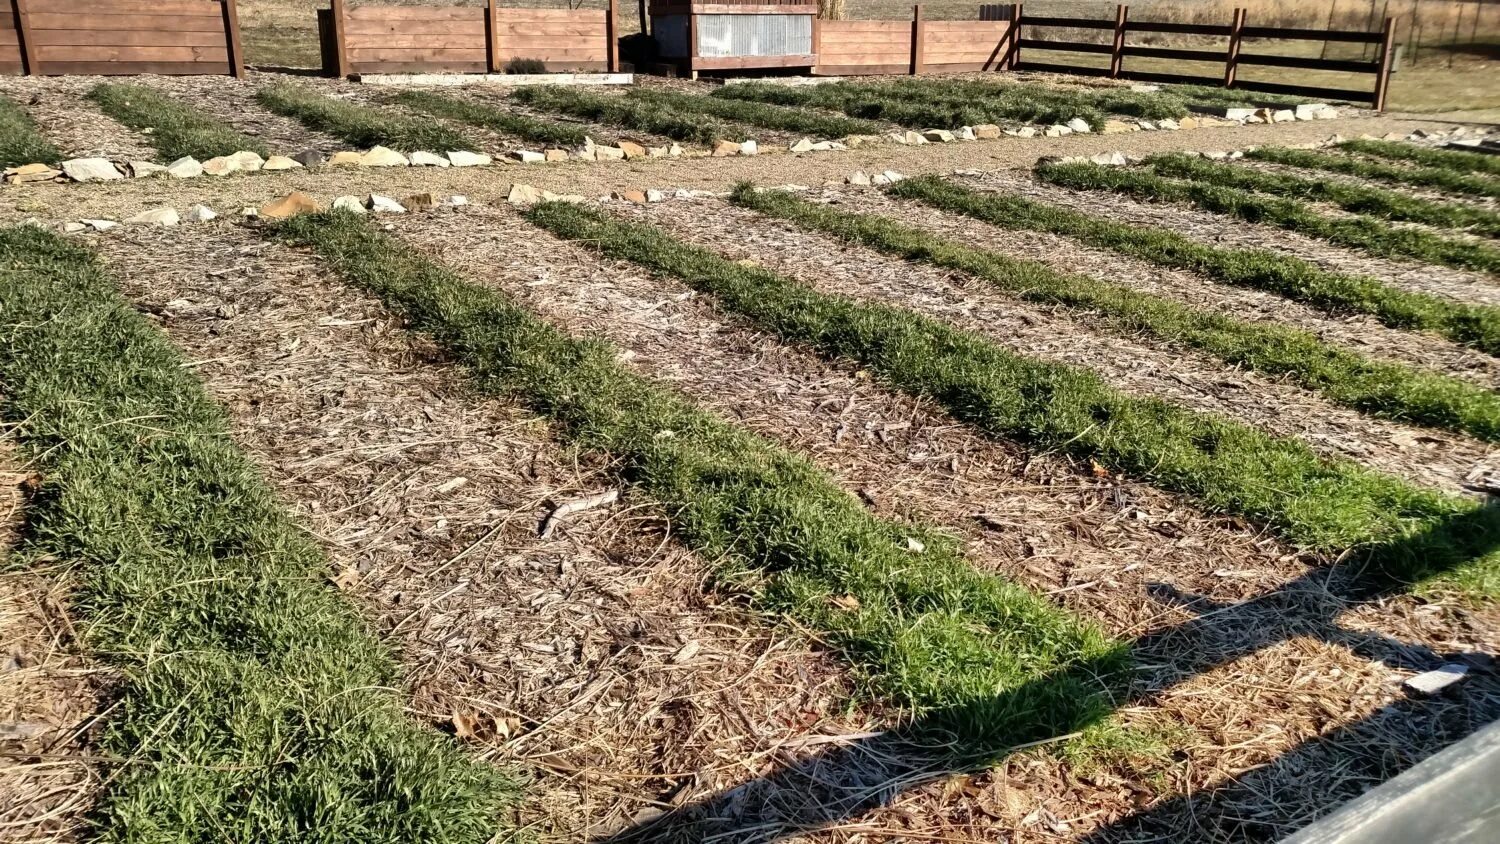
121, 37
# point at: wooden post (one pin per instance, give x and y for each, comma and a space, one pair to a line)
1117, 47
692, 44
29, 64
492, 35
817, 41
342, 67
611, 32
1232, 58
232, 39
645, 18
1383, 73
918, 33
1013, 57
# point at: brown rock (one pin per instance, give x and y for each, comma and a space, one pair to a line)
290, 205
420, 202
31, 173
347, 157
986, 131
724, 149
556, 155
633, 150
638, 197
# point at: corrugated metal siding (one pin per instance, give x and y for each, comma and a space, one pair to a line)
670, 32
753, 35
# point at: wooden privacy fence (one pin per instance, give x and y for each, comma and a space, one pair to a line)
120, 37
465, 39
1235, 55
863, 48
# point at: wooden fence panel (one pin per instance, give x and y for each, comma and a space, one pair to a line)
857, 48
122, 37
562, 39
963, 46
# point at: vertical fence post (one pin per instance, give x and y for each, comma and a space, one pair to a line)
692, 43
1013, 57
23, 32
612, 33
1117, 47
1232, 58
1383, 73
340, 40
492, 35
817, 42
232, 39
918, 34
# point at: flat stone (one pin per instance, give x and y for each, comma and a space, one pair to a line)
1110, 159
1432, 682
31, 173
523, 195
1146, 126
74, 228
384, 205
352, 204
893, 177
602, 153
428, 159
804, 145
1189, 123
638, 197
310, 158
420, 202
186, 167
555, 154
1169, 124
248, 161
468, 159
155, 217
655, 196
659, 152
989, 131
966, 133
526, 156
587, 154
633, 150
1079, 126
749, 148
345, 158
828, 146
100, 225
455, 201
1239, 113
1057, 131
142, 169
880, 180
938, 136
1026, 132
281, 162
290, 205
221, 166
1283, 115
675, 150
91, 170
858, 177
1118, 127
575, 199
914, 139
200, 214
383, 157
724, 149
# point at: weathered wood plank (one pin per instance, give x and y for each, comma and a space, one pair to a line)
210, 8
91, 20
123, 38
195, 55
133, 68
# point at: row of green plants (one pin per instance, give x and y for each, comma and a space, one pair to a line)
1328, 505
21, 142
1354, 198
968, 651
1013, 98
1364, 233
534, 130
1297, 279
361, 125
1396, 174
252, 703
633, 113
764, 115
905, 106
1453, 160
174, 128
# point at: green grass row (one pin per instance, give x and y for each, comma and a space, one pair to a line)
253, 704
359, 125
1373, 236
1390, 390
1477, 326
537, 131
1356, 199
1453, 160
930, 631
636, 114
1396, 174
176, 129
1328, 505
779, 118
1016, 98
1206, 96
20, 140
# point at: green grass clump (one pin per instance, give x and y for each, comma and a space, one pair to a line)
359, 125
1425, 177
177, 129
1384, 389
1330, 505
632, 113
20, 140
253, 704
764, 115
964, 649
1259, 269
917, 108
1214, 96
523, 126
1364, 233
1456, 161
1356, 199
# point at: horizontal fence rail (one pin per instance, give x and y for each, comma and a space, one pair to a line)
465, 39
121, 37
1232, 57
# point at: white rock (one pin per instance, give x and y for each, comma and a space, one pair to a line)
142, 169
1079, 126
749, 148
468, 159
827, 146
1239, 113
74, 228
675, 150
1283, 115
1110, 159
221, 166
186, 167
523, 195
858, 177
200, 214
1026, 132
100, 225
1147, 126
892, 176
155, 217
429, 159
349, 203
1432, 682
938, 136
804, 145
385, 205
1216, 155
655, 196
456, 200
248, 161
91, 170
880, 179
966, 133
379, 156
1169, 124
526, 156
1057, 131
604, 153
